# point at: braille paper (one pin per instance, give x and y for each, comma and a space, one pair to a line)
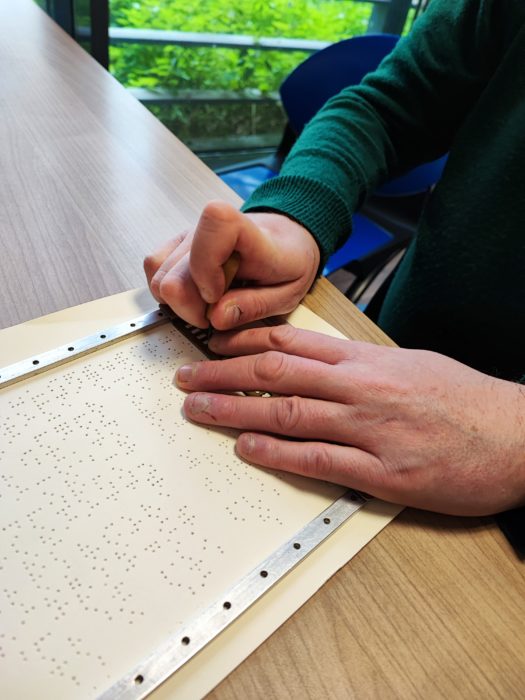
119, 519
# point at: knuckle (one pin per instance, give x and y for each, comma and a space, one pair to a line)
151, 265
172, 287
211, 372
154, 283
176, 242
286, 414
282, 336
216, 211
260, 307
318, 463
296, 296
269, 367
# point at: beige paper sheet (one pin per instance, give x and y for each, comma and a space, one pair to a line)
119, 519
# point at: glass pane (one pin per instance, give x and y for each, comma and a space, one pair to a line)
224, 98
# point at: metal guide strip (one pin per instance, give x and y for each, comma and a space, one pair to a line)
37, 364
206, 625
83, 346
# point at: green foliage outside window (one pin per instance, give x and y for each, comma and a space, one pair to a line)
178, 67
245, 72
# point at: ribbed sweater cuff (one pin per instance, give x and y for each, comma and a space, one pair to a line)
298, 198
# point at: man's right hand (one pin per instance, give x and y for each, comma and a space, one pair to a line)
279, 259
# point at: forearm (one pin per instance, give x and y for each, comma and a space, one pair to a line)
406, 112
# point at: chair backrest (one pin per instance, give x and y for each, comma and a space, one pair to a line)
327, 72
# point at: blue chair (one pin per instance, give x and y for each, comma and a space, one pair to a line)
303, 93
327, 72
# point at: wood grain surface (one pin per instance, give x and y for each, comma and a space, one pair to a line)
89, 183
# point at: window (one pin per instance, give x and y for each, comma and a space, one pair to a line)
211, 69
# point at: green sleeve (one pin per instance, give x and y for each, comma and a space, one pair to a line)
404, 113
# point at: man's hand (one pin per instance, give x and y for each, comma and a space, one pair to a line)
408, 426
278, 262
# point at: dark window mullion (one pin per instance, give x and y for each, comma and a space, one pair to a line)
99, 31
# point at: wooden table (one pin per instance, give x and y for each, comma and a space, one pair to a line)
91, 182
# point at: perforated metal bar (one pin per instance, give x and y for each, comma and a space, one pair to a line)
82, 346
205, 626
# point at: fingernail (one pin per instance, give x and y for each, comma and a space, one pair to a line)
199, 403
233, 313
247, 443
213, 342
185, 374
207, 295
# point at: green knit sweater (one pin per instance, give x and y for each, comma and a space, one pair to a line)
455, 84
